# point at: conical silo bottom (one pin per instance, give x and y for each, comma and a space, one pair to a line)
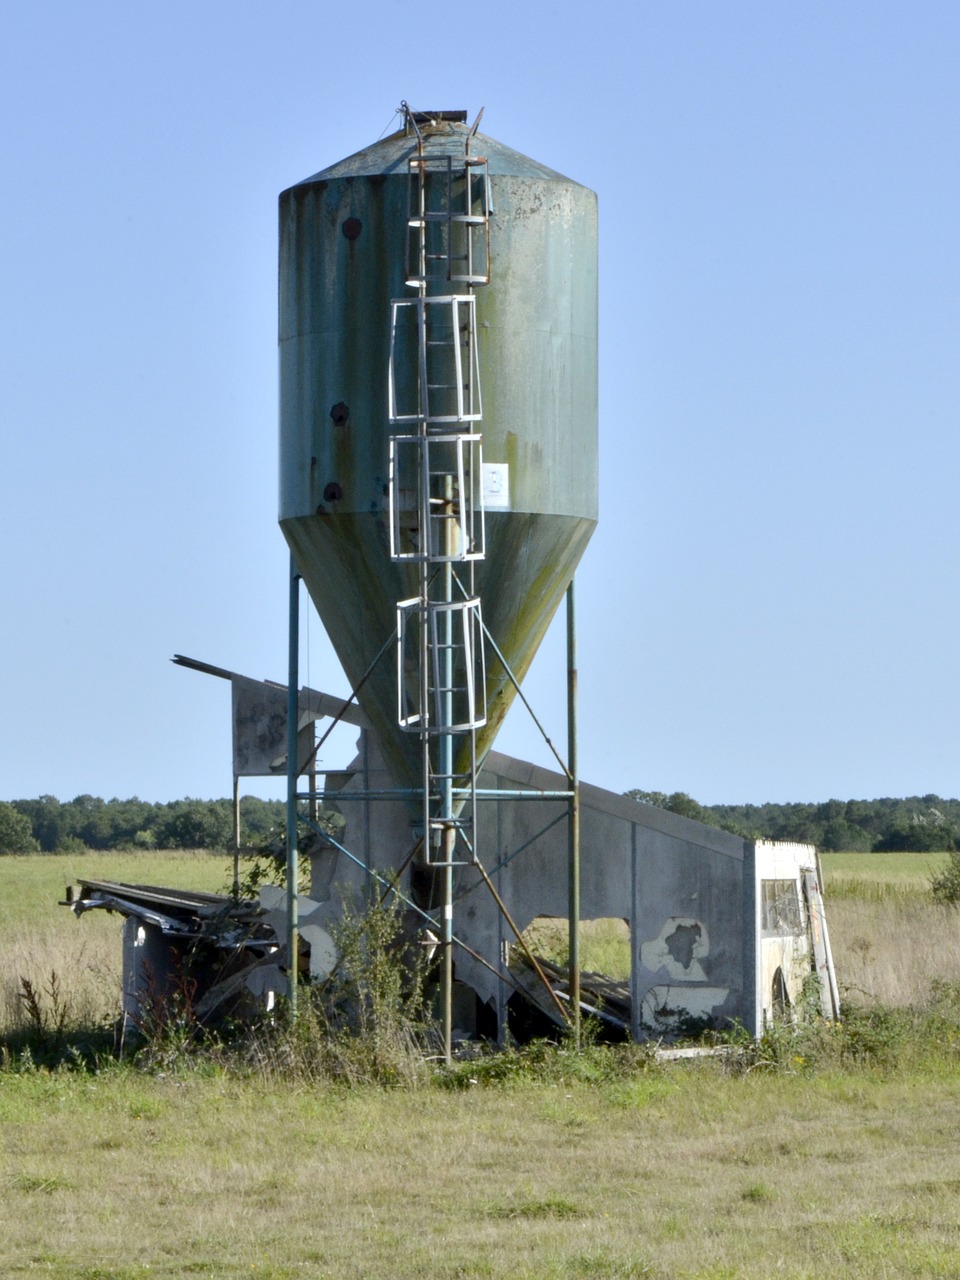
344, 561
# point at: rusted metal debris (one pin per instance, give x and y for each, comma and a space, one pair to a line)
223, 954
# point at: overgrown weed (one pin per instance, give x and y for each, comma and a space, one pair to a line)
48, 1034
45, 1009
869, 1037
551, 1063
168, 1028
369, 1022
353, 1046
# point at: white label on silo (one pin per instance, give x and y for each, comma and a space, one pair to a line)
496, 486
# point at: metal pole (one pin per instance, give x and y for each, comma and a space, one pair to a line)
574, 822
236, 838
446, 747
293, 717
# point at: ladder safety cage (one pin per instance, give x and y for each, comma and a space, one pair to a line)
436, 478
412, 710
457, 659
448, 222
459, 828
434, 372
447, 693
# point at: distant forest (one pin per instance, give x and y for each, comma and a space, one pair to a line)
48, 825
920, 823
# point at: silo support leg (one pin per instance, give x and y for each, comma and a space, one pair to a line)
293, 716
574, 821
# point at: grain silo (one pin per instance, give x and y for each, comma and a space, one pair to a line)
435, 212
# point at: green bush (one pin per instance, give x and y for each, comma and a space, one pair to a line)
16, 833
72, 844
946, 885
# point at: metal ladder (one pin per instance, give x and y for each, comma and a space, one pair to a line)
435, 486
448, 225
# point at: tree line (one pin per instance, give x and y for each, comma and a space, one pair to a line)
921, 823
48, 825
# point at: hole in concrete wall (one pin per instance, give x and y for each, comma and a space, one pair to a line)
604, 944
780, 996
604, 975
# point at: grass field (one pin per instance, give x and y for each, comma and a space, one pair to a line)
682, 1173
890, 940
846, 1165
867, 875
38, 937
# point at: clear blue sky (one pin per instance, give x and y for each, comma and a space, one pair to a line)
769, 609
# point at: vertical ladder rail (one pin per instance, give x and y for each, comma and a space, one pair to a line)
444, 700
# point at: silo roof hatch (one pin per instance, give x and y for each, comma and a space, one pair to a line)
438, 117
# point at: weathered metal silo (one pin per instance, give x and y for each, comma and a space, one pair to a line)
344, 241
438, 487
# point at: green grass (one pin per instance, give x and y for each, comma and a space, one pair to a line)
850, 1175
39, 938
32, 884
879, 875
836, 1152
604, 944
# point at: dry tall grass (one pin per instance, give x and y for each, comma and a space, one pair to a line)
890, 940
891, 951
40, 939
83, 968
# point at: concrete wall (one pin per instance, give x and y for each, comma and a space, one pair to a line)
678, 884
782, 924
701, 949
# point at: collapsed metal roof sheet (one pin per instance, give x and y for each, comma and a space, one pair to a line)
179, 911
